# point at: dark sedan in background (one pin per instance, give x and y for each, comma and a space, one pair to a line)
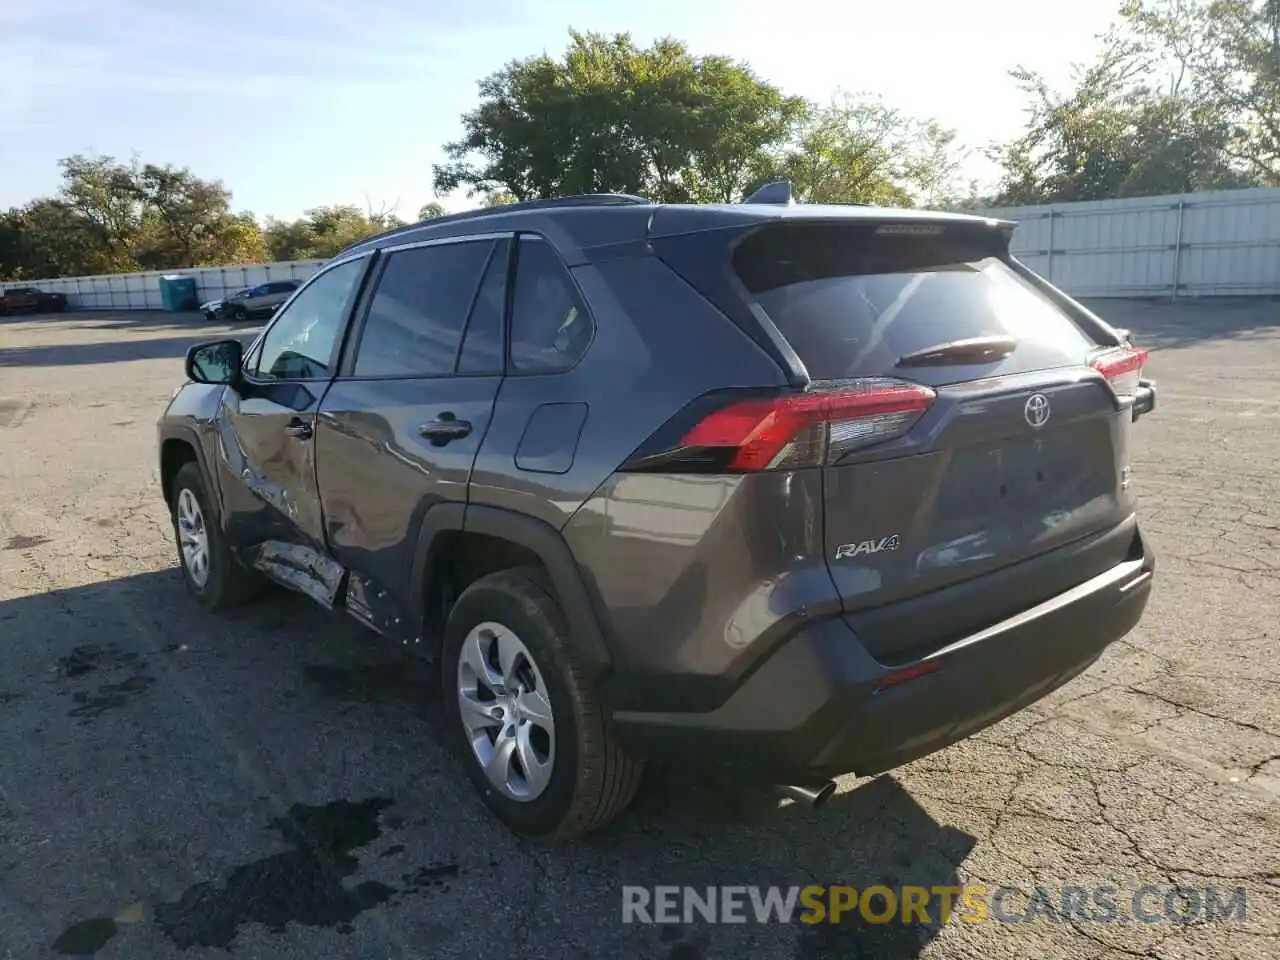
30, 300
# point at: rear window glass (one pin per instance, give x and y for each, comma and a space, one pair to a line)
853, 300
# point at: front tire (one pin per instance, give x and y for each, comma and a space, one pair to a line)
239, 315
214, 577
523, 716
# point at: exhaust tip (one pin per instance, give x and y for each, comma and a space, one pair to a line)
814, 796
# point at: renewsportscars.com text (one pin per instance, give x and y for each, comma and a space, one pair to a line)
1149, 904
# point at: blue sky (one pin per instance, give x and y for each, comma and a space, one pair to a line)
297, 103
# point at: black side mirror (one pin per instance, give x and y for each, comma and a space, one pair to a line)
216, 362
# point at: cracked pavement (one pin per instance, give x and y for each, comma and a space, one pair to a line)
174, 784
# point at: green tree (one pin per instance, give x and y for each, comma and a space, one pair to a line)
859, 149
1225, 55
499, 198
430, 210
608, 116
110, 216
50, 238
1151, 115
323, 231
188, 217
102, 192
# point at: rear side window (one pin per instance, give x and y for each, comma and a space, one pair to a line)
853, 299
482, 344
550, 326
416, 318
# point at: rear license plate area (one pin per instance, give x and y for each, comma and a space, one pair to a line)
1054, 468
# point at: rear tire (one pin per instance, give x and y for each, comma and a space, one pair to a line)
591, 777
212, 574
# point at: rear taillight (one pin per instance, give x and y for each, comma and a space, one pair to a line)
1123, 368
801, 430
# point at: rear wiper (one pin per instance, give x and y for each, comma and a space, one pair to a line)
974, 350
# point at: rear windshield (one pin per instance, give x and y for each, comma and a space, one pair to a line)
854, 299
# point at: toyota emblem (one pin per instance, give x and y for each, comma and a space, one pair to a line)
1037, 410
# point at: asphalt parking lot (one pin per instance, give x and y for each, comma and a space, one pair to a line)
174, 784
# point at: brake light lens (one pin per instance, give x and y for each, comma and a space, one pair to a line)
809, 429
1123, 368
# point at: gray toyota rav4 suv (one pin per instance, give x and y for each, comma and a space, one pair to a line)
779, 490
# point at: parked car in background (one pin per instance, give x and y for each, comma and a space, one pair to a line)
788, 491
212, 309
259, 301
31, 300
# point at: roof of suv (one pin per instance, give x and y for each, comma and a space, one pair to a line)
594, 220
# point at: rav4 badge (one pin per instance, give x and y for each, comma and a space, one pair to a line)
847, 551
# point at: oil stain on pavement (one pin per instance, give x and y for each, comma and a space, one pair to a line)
80, 661
303, 885
91, 658
85, 938
109, 696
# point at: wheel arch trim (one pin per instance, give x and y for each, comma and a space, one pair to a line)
189, 437
540, 538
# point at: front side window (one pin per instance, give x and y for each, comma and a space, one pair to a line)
299, 345
419, 309
550, 326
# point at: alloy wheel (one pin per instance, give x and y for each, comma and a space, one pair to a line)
506, 711
193, 537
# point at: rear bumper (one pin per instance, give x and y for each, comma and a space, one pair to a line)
820, 705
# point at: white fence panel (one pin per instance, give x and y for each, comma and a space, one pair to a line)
141, 291
1222, 243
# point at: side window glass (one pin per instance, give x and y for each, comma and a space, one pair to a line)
550, 326
251, 361
300, 343
418, 310
482, 345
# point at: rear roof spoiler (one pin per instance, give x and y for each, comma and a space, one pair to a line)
779, 193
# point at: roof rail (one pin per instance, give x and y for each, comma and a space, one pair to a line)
576, 200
